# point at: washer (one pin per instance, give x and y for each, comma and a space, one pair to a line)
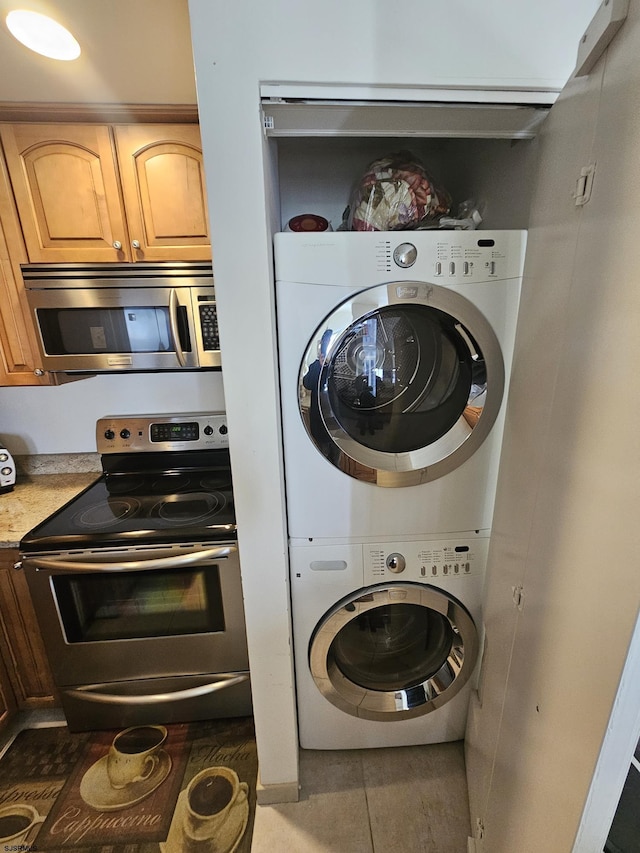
386, 639
394, 350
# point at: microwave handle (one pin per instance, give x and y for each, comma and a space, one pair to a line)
173, 325
173, 562
91, 693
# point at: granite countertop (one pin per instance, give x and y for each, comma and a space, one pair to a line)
43, 484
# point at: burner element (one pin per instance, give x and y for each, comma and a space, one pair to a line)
107, 513
123, 483
216, 480
167, 484
190, 507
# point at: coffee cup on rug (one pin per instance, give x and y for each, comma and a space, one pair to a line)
211, 798
133, 755
16, 822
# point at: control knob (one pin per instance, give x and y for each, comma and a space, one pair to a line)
124, 433
223, 430
208, 430
109, 434
396, 563
405, 255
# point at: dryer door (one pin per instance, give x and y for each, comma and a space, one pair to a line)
401, 383
393, 651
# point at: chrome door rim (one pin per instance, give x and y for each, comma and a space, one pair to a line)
396, 704
447, 453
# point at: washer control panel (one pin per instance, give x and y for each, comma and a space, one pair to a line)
425, 560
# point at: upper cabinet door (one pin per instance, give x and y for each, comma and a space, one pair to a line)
164, 192
66, 189
19, 358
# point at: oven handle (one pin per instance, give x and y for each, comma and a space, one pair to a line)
86, 692
174, 562
173, 325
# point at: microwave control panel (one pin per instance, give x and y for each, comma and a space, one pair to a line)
209, 326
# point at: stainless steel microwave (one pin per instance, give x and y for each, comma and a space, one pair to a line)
108, 318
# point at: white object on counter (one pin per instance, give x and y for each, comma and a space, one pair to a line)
7, 471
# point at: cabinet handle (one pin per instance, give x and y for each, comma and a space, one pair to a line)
39, 371
135, 244
117, 244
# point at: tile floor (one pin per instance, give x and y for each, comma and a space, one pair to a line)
411, 799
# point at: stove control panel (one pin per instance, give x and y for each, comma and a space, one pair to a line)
140, 433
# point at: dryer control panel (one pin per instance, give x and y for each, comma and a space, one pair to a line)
361, 259
425, 561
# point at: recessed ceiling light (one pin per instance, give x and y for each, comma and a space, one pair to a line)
42, 34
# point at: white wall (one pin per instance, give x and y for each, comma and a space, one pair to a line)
236, 47
62, 419
567, 500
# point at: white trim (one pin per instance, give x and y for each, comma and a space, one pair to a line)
458, 94
279, 792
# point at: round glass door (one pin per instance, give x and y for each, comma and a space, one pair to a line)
404, 380
393, 651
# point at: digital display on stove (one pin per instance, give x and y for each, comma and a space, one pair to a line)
175, 432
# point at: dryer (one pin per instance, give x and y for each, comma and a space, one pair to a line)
386, 639
394, 354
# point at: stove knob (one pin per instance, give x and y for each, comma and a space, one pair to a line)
208, 430
124, 433
109, 434
223, 430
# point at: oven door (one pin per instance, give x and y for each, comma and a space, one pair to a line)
97, 329
132, 615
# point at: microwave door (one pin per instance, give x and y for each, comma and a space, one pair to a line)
108, 329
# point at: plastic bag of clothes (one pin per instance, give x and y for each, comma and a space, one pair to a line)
395, 193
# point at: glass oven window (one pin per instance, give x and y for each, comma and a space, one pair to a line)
133, 605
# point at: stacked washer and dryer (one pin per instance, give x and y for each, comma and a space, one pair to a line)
394, 352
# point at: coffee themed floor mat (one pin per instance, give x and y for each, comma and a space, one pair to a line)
181, 788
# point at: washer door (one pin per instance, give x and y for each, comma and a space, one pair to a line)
393, 651
401, 383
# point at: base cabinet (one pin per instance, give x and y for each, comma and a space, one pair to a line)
8, 705
21, 643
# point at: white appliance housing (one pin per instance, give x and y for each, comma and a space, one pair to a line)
316, 274
322, 575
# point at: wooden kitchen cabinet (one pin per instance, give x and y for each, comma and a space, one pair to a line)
164, 191
21, 644
66, 190
8, 706
80, 201
19, 355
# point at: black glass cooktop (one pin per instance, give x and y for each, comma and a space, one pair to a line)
142, 507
